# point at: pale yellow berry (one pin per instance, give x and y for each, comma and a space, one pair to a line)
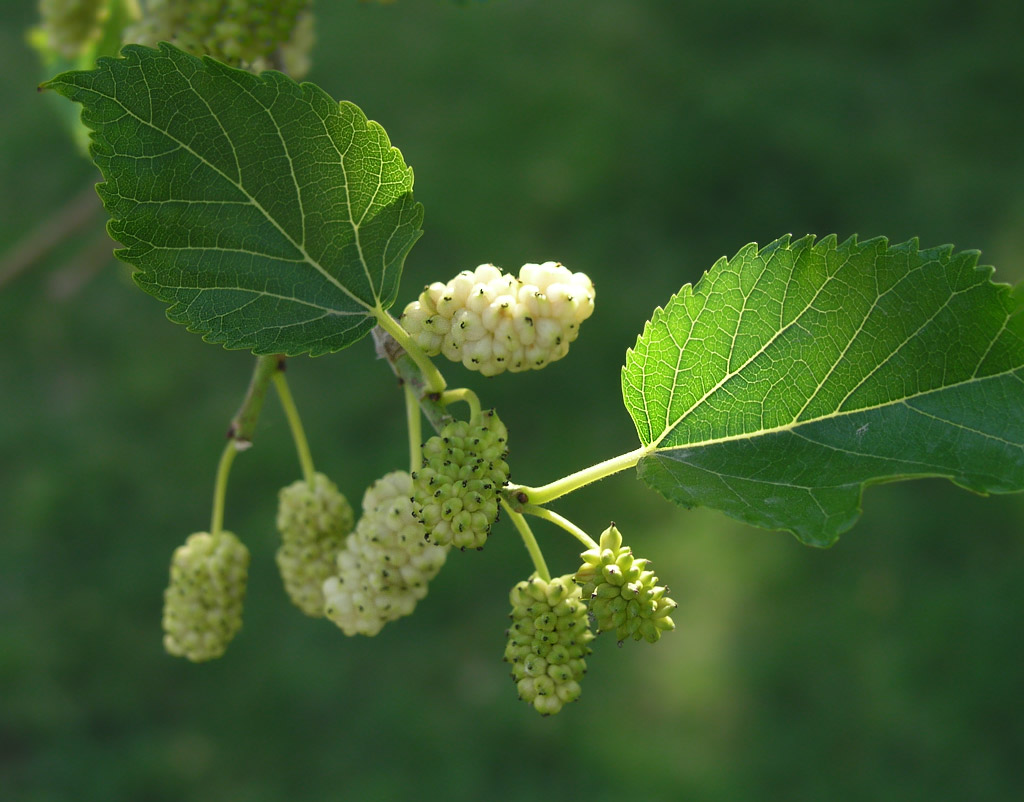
386, 565
491, 321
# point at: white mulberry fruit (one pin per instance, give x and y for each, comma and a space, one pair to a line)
491, 321
70, 26
622, 593
456, 490
386, 564
547, 642
203, 602
246, 33
314, 521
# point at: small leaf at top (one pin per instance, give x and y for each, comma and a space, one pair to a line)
791, 377
267, 215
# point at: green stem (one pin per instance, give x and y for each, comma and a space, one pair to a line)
467, 395
220, 487
295, 422
410, 375
415, 425
565, 523
432, 376
243, 425
546, 493
529, 541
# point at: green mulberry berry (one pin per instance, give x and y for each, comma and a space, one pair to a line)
456, 490
203, 602
313, 521
386, 564
547, 642
492, 321
622, 593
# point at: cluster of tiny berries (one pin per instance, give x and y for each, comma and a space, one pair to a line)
622, 593
386, 564
313, 520
548, 642
245, 33
455, 493
203, 602
68, 26
491, 321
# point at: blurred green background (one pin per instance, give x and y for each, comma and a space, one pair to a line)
637, 141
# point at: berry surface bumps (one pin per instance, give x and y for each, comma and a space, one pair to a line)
456, 490
386, 564
491, 321
203, 602
547, 642
313, 520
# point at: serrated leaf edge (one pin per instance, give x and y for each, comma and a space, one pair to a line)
97, 138
688, 290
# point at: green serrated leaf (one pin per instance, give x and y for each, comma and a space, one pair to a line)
791, 377
267, 215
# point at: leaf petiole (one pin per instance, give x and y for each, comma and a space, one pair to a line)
432, 376
538, 496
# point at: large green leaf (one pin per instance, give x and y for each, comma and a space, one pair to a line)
793, 376
267, 215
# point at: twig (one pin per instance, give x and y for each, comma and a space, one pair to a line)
76, 214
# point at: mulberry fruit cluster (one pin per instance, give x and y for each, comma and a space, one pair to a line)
386, 564
69, 26
203, 602
622, 593
314, 520
491, 321
547, 642
455, 493
245, 33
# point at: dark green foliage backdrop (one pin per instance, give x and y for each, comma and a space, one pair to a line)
637, 141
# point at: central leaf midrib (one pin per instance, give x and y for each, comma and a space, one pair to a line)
670, 426
794, 425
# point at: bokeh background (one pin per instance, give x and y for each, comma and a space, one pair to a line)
638, 141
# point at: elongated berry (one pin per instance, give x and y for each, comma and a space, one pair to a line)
622, 592
386, 565
548, 642
492, 321
203, 602
314, 521
456, 490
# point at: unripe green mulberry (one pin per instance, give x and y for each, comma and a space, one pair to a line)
313, 521
547, 642
622, 593
386, 564
491, 321
203, 603
456, 490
